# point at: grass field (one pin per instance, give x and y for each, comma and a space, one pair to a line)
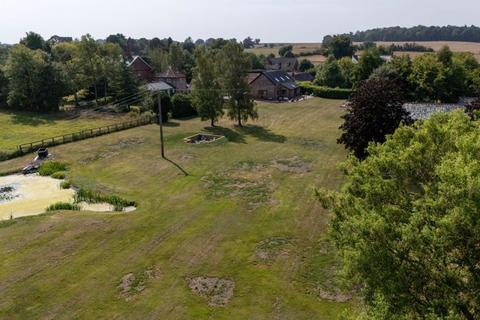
18, 128
245, 213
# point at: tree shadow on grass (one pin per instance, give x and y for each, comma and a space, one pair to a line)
263, 134
231, 135
34, 120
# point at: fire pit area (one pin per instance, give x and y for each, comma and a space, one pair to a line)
202, 138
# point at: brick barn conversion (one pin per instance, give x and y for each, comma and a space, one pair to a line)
273, 85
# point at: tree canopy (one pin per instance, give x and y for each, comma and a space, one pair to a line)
420, 33
407, 224
374, 111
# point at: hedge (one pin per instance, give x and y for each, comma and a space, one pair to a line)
182, 106
325, 92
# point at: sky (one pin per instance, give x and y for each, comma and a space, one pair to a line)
269, 20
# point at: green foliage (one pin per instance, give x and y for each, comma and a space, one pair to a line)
182, 106
34, 41
45, 86
339, 46
91, 196
437, 77
369, 61
61, 206
206, 94
325, 92
51, 167
306, 65
374, 111
150, 102
420, 33
233, 67
286, 51
65, 184
329, 74
60, 175
158, 59
407, 222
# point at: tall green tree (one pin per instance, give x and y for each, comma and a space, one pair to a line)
90, 63
339, 46
122, 82
329, 74
369, 61
34, 41
34, 83
234, 67
207, 95
66, 56
407, 224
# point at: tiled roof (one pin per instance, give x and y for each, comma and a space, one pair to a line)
170, 73
158, 86
144, 60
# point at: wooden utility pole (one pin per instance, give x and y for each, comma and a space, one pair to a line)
160, 121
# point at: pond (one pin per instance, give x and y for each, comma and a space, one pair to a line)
30, 195
27, 195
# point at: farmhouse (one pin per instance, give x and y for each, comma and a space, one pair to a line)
141, 68
273, 85
284, 64
174, 78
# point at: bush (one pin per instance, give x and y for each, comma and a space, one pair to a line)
63, 206
51, 167
60, 175
182, 106
325, 92
91, 196
65, 184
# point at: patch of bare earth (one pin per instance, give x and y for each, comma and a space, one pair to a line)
218, 291
132, 284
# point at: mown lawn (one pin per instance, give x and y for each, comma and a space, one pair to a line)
18, 128
241, 214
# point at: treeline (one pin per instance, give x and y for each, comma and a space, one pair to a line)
419, 33
36, 75
390, 49
442, 76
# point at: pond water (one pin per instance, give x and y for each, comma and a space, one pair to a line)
30, 195
27, 195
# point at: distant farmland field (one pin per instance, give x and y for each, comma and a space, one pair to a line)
298, 48
274, 47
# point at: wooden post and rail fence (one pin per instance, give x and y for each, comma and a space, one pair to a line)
82, 135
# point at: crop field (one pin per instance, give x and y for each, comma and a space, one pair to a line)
18, 128
228, 230
297, 48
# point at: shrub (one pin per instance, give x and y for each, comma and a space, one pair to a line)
65, 184
50, 167
91, 196
182, 106
325, 92
63, 206
60, 175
